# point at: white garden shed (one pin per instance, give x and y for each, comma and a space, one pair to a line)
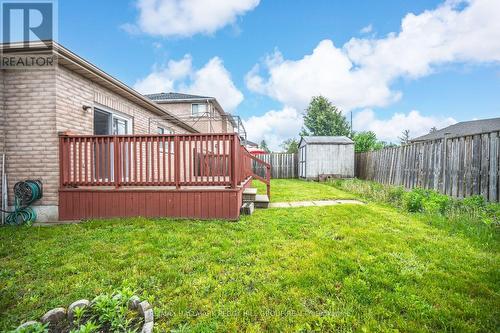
326, 156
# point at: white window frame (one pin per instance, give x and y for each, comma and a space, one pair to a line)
166, 130
199, 114
119, 115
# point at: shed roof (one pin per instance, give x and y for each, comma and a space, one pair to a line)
463, 128
344, 140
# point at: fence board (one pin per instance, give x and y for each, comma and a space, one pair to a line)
283, 165
456, 166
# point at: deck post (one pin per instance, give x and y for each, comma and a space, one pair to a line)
116, 156
62, 168
235, 159
177, 162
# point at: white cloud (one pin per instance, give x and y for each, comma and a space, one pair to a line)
212, 79
184, 18
274, 126
360, 74
390, 129
367, 29
163, 78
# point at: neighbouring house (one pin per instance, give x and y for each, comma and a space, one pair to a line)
251, 144
326, 156
203, 113
97, 147
464, 128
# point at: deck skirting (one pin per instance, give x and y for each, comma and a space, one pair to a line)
94, 203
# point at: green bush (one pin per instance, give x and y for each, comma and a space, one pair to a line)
395, 195
418, 200
414, 200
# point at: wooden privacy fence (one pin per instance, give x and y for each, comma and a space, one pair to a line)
283, 165
456, 166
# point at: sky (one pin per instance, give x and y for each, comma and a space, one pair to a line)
392, 64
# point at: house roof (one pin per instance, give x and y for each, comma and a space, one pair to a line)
81, 66
251, 143
343, 140
464, 128
175, 96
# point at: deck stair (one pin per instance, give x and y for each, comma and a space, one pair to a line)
261, 201
249, 194
252, 200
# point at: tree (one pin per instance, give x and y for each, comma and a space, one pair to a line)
324, 118
290, 146
264, 146
367, 141
405, 137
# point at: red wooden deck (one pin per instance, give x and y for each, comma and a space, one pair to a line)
184, 176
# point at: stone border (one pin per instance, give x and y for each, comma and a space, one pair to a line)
57, 314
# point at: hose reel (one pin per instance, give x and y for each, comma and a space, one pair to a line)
25, 193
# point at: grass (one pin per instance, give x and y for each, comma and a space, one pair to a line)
324, 269
287, 190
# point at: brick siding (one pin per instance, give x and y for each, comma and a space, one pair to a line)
39, 104
30, 127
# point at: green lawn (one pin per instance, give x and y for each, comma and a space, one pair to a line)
286, 190
325, 269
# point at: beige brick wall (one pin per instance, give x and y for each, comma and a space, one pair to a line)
30, 141
2, 116
74, 91
39, 104
2, 126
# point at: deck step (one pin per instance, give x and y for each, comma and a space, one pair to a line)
261, 201
249, 194
247, 208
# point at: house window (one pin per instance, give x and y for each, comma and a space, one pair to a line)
198, 110
163, 130
107, 122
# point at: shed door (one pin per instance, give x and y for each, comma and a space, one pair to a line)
302, 162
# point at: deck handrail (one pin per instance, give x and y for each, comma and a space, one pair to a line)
156, 160
267, 177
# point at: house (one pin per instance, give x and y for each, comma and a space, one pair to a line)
464, 128
203, 113
326, 156
251, 144
93, 142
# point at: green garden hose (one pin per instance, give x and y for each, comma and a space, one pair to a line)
25, 193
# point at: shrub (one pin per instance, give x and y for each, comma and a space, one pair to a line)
414, 200
418, 200
395, 195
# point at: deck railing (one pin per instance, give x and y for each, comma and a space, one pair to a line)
155, 160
